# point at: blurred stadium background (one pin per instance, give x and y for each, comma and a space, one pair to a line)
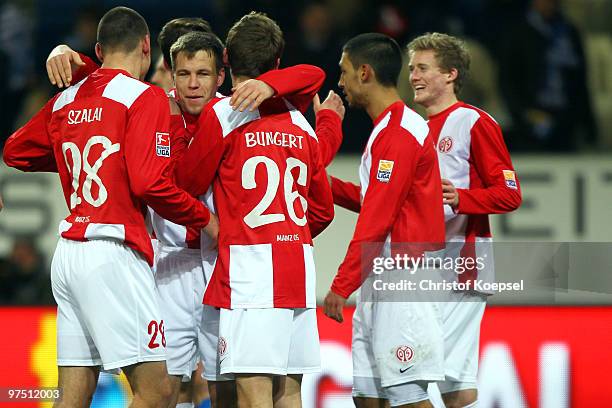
545, 349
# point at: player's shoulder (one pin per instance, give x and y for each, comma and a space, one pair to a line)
66, 97
403, 123
127, 90
219, 103
228, 118
473, 114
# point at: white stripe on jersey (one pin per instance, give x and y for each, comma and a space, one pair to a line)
64, 226
456, 166
299, 120
231, 119
249, 285
311, 276
415, 124
67, 96
105, 231
124, 90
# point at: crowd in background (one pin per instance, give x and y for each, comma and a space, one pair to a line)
530, 67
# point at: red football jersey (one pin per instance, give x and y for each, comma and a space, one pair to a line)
298, 84
108, 136
400, 197
271, 195
474, 157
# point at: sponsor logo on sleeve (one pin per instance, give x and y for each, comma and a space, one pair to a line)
510, 179
385, 168
162, 144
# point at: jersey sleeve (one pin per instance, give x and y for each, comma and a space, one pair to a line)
30, 147
489, 156
179, 136
320, 201
87, 69
149, 171
298, 84
380, 208
196, 169
329, 132
346, 194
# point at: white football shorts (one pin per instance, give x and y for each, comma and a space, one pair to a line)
108, 313
180, 285
209, 345
396, 343
462, 314
268, 341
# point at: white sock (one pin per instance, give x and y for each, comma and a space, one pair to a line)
185, 405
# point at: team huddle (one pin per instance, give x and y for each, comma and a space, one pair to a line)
193, 214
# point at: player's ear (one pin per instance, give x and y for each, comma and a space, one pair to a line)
277, 63
225, 57
221, 77
452, 75
99, 53
365, 72
146, 45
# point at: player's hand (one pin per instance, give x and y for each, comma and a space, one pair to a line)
62, 62
333, 306
450, 195
212, 229
332, 102
250, 94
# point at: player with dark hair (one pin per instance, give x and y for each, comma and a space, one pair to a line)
170, 32
175, 29
397, 346
272, 195
108, 136
478, 179
65, 64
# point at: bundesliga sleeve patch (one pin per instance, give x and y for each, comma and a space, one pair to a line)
162, 144
385, 167
510, 179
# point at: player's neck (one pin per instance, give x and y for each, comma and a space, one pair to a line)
444, 102
125, 62
379, 99
239, 79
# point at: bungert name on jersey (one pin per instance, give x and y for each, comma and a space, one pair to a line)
273, 138
76, 117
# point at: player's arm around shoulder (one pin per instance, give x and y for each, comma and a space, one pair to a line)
30, 148
65, 64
